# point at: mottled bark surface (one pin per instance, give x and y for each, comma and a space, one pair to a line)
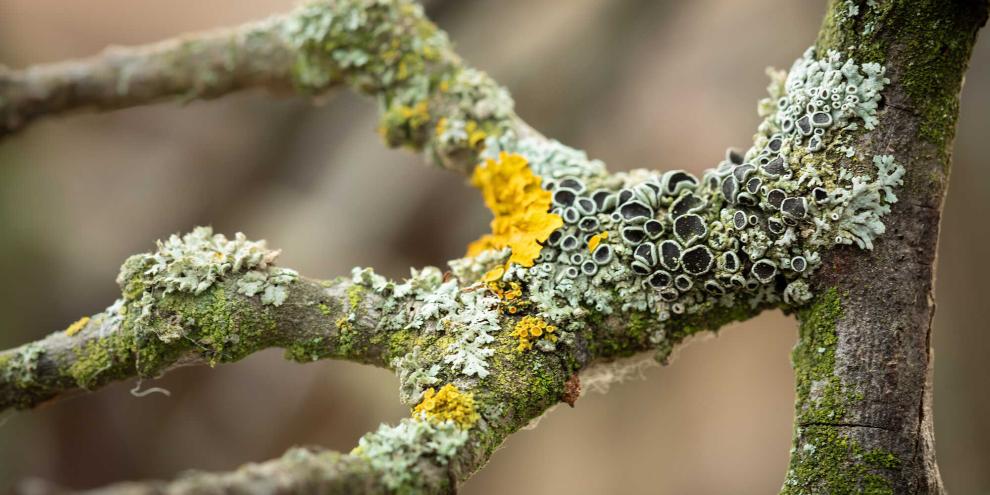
883, 354
863, 359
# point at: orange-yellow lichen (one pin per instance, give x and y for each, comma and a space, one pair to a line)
596, 240
509, 294
531, 328
441, 126
448, 404
521, 208
475, 135
77, 326
493, 274
416, 115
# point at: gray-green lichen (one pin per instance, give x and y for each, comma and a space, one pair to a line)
661, 248
439, 307
415, 375
427, 97
192, 264
272, 284
20, 369
396, 452
749, 231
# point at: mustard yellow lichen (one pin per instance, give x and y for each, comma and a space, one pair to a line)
441, 126
77, 326
475, 135
596, 240
416, 115
449, 403
521, 208
531, 328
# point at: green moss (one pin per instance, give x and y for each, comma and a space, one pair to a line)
521, 385
836, 465
814, 356
399, 343
639, 325
823, 459
220, 325
312, 349
355, 294
102, 360
325, 309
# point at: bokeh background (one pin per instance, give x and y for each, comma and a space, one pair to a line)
638, 83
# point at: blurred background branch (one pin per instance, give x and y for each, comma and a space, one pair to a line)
204, 66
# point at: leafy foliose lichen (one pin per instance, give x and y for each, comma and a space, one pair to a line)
428, 98
396, 452
473, 322
193, 263
433, 306
272, 284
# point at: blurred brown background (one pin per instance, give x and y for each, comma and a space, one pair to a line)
638, 83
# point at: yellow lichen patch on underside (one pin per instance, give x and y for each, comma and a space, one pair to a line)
77, 326
448, 404
521, 208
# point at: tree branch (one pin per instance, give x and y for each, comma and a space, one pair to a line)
873, 314
300, 470
217, 326
428, 98
581, 266
353, 319
201, 66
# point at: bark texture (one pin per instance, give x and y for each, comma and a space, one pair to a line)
863, 359
196, 67
877, 420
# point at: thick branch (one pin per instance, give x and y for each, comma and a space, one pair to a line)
344, 319
874, 313
217, 326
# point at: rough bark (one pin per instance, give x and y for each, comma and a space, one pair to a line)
101, 352
878, 314
863, 363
